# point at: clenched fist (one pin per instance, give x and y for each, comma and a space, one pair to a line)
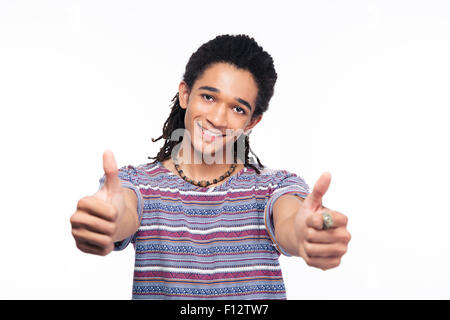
95, 222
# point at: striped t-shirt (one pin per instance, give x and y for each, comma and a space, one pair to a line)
214, 242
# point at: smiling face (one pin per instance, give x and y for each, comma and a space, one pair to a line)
219, 107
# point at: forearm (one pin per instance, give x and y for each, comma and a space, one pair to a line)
128, 221
286, 236
285, 215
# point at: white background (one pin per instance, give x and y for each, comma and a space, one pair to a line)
363, 92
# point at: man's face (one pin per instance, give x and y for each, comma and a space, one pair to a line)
219, 107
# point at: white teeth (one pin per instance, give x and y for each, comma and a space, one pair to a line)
209, 133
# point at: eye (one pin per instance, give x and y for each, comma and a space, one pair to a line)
242, 111
207, 97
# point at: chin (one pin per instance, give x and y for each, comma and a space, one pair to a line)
208, 152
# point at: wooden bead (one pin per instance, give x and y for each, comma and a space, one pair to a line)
204, 183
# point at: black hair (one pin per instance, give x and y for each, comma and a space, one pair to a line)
240, 51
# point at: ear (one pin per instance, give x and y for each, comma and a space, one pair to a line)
252, 123
183, 94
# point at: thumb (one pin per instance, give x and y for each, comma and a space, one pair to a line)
112, 183
314, 199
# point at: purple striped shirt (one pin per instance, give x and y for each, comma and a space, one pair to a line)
214, 242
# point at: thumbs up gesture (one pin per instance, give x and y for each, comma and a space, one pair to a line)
320, 247
95, 222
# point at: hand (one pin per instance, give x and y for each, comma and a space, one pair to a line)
94, 223
320, 248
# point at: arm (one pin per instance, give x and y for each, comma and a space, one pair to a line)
128, 223
285, 210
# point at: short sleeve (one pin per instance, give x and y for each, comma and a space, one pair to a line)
129, 178
285, 183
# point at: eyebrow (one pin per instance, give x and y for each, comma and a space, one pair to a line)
242, 101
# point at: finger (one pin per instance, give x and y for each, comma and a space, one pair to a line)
89, 248
320, 250
112, 183
97, 207
335, 235
314, 199
324, 263
315, 220
92, 223
339, 219
93, 238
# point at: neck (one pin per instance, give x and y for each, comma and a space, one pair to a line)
198, 166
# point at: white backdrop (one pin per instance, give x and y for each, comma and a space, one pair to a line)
363, 92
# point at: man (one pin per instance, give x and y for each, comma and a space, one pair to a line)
206, 220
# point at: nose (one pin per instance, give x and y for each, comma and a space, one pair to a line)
217, 117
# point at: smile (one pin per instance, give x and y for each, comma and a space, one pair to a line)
208, 134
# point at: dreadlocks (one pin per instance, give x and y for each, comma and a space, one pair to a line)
241, 51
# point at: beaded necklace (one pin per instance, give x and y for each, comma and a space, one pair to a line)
204, 183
